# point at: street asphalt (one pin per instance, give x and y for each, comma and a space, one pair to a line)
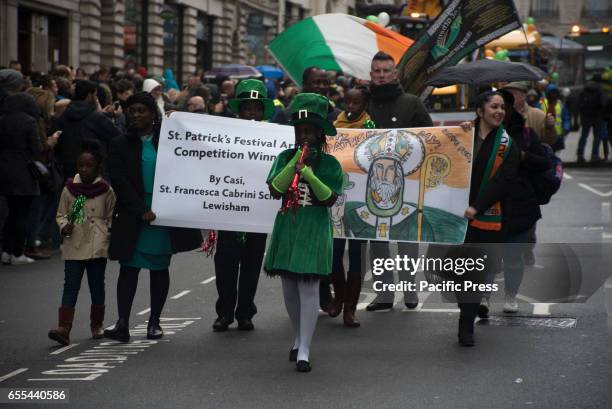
559, 355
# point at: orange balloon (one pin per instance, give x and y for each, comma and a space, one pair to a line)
489, 53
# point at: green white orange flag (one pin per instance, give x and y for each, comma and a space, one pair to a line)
335, 42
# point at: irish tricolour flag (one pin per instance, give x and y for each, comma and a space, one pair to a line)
335, 42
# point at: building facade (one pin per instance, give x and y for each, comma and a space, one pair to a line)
183, 35
558, 16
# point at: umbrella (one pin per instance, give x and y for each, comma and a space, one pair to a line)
485, 72
237, 71
270, 71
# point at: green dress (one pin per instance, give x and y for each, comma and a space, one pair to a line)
153, 247
301, 244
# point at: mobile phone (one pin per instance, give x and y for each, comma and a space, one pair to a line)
116, 105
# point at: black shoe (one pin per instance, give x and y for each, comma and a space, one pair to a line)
377, 306
120, 333
246, 325
303, 366
154, 330
221, 324
466, 339
293, 355
483, 309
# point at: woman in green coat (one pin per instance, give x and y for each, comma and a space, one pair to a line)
300, 249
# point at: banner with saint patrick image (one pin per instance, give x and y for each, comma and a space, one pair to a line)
403, 184
399, 184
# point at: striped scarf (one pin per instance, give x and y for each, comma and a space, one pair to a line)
491, 219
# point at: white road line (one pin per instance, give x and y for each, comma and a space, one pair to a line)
14, 373
368, 299
445, 310
209, 280
606, 236
541, 309
567, 176
179, 295
143, 312
593, 190
528, 299
66, 348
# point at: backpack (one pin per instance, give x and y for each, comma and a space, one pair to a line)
547, 183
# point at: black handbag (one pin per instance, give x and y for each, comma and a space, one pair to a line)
44, 175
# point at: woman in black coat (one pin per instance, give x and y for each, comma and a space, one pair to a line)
488, 203
134, 241
19, 144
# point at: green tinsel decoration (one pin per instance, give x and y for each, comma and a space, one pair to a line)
75, 215
241, 237
369, 124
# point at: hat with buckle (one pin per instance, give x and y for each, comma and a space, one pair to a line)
249, 90
311, 108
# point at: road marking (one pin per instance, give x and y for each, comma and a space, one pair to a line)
445, 310
567, 176
14, 373
368, 299
179, 295
541, 309
605, 235
209, 280
143, 312
528, 299
593, 190
66, 348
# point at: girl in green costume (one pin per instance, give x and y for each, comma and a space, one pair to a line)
300, 249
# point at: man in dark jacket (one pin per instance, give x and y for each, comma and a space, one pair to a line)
592, 105
82, 119
391, 107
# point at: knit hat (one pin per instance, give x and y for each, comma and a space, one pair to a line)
11, 80
518, 85
252, 90
143, 98
551, 88
311, 108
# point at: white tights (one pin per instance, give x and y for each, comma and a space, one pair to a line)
302, 303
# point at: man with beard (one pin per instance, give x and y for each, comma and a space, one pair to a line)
391, 107
384, 214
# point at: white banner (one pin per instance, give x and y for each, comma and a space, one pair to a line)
399, 184
211, 172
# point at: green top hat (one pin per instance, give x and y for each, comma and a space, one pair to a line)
311, 108
249, 90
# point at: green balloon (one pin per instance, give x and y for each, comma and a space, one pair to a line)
530, 20
500, 56
505, 52
554, 77
372, 18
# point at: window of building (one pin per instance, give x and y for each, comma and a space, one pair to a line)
170, 17
255, 38
204, 32
545, 8
597, 8
135, 33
